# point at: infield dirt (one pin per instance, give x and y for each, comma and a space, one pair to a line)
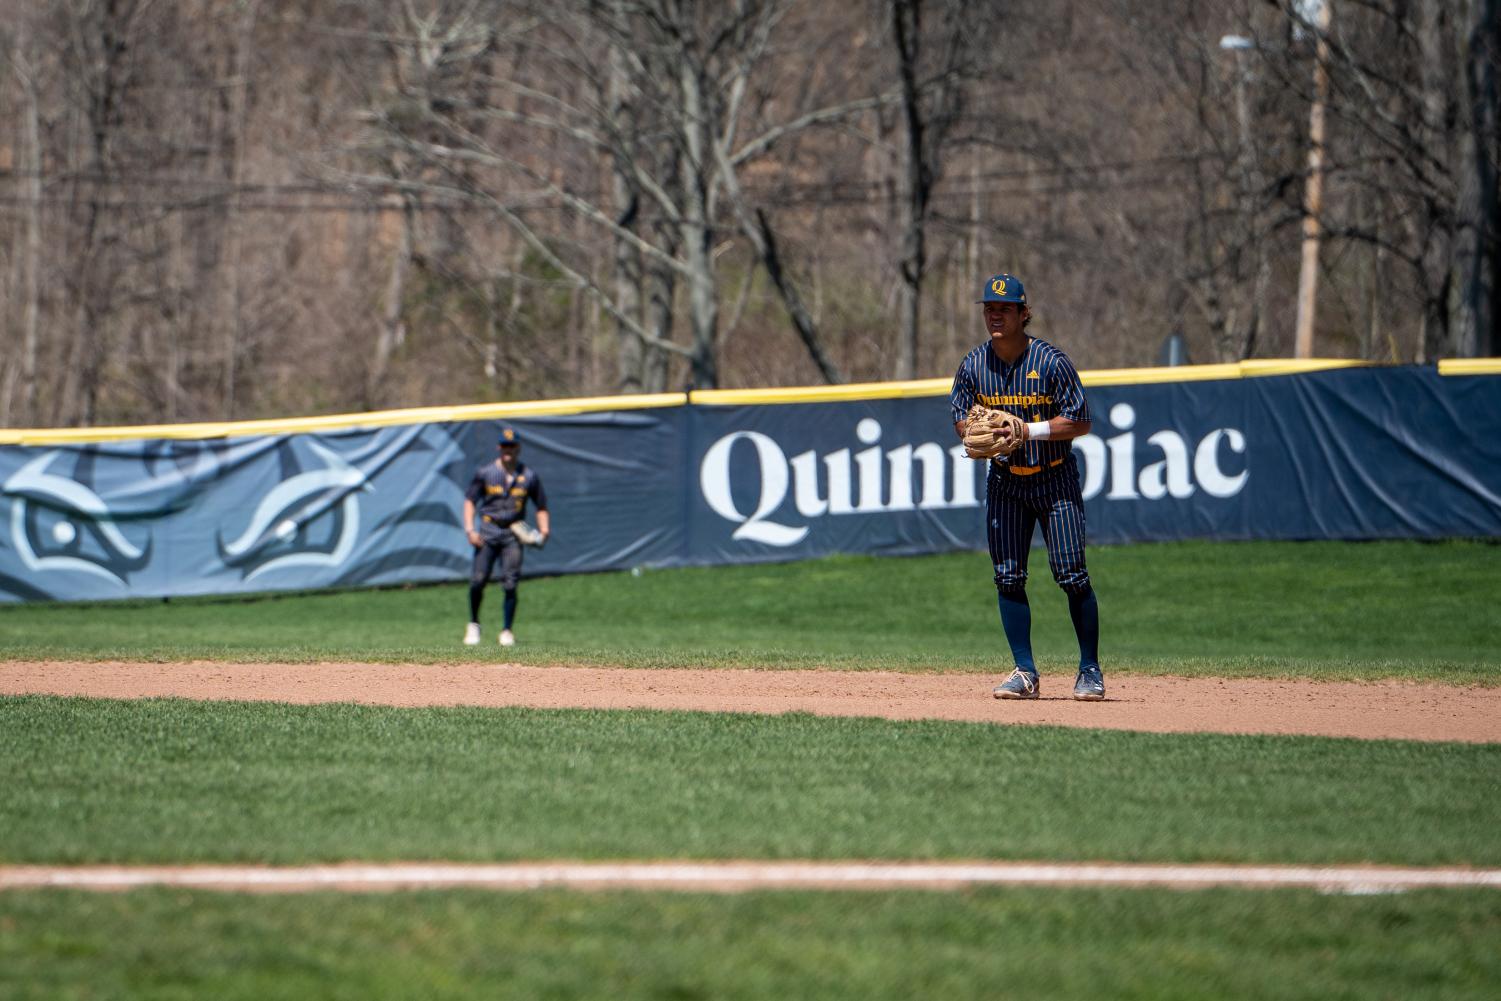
1371, 710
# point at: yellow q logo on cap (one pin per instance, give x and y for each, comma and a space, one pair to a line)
998, 286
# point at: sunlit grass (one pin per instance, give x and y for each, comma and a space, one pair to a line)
1332, 610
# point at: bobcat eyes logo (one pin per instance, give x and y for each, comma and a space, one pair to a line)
162, 517
57, 523
310, 519
998, 286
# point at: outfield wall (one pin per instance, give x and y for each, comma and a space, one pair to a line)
1261, 450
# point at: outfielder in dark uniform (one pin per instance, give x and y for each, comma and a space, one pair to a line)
1037, 483
494, 503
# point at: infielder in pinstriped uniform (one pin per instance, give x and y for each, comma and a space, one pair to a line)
494, 502
1039, 482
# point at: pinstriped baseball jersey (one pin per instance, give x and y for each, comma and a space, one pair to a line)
500, 497
1043, 384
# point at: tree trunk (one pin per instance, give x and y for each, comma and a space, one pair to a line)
698, 231
630, 349
33, 201
234, 238
1481, 265
392, 331
179, 310
662, 287
766, 245
1437, 256
914, 185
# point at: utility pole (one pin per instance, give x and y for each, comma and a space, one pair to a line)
1313, 191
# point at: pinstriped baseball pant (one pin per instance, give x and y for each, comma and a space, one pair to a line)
1013, 507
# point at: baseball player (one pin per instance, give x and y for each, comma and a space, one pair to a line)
494, 513
1037, 482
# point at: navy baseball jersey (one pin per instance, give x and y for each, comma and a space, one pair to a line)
500, 497
1043, 384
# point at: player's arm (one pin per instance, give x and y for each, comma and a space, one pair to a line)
469, 532
961, 398
475, 486
1058, 429
539, 498
1068, 390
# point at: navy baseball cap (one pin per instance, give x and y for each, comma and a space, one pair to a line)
508, 436
1003, 288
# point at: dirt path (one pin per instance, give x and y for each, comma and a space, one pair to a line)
1395, 710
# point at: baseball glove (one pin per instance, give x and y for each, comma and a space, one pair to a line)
527, 535
989, 433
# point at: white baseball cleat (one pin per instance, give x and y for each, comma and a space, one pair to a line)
507, 638
471, 634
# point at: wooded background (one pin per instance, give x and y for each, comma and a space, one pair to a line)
225, 209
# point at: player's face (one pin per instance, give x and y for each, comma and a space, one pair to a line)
1004, 319
508, 455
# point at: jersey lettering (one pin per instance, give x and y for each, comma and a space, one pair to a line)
1015, 400
1040, 385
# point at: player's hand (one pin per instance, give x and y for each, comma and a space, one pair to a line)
474, 539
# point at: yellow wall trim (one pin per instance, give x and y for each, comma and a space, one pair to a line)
823, 394
1470, 366
706, 397
340, 422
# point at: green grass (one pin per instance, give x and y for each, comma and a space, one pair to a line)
1033, 943
180, 781
168, 781
1330, 610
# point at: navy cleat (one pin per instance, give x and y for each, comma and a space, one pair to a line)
1021, 685
1089, 686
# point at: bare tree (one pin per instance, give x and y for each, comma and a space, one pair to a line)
685, 71
237, 96
1481, 256
932, 103
1414, 94
210, 209
99, 48
25, 371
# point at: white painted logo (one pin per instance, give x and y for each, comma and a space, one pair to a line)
850, 483
1179, 473
77, 510
279, 519
929, 476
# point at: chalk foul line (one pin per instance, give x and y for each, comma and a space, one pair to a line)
740, 876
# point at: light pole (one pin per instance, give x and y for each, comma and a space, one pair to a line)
1240, 44
1313, 190
1250, 188
1319, 13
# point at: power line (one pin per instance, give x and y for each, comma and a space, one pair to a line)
269, 197
827, 199
394, 187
